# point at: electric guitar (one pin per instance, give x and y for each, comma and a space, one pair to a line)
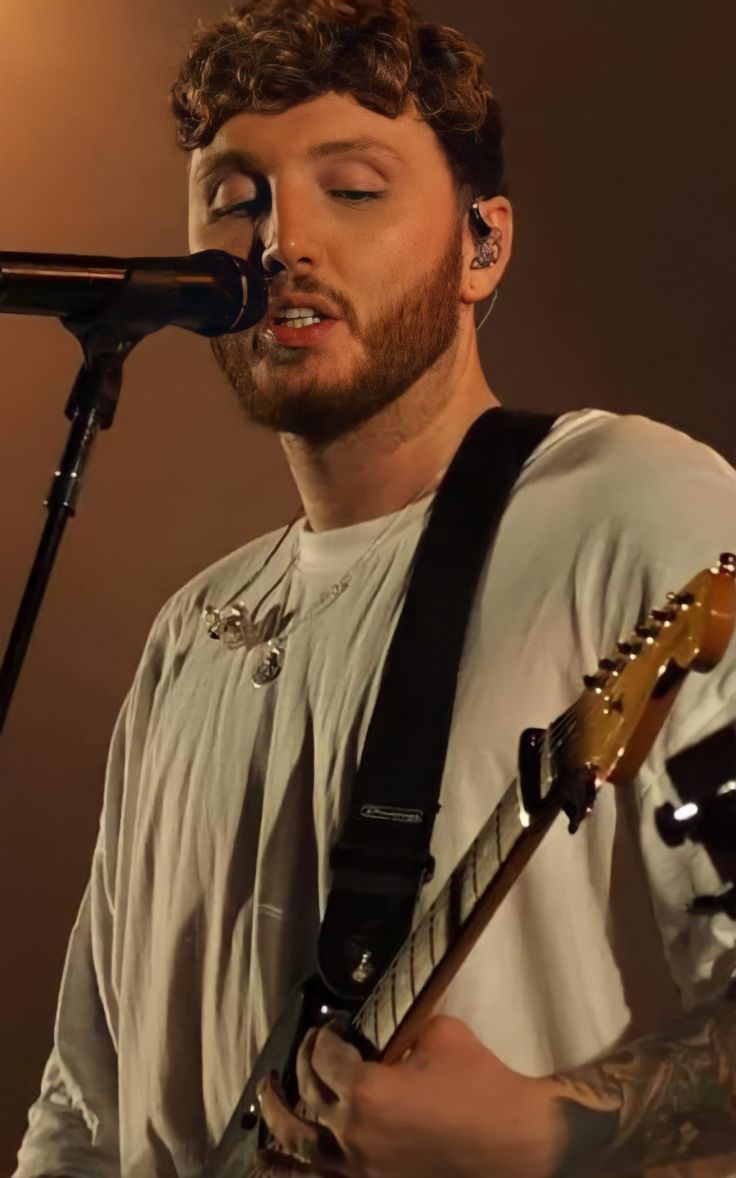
604, 736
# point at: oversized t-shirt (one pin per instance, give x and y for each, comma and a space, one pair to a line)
222, 800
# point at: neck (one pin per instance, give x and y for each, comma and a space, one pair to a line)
391, 459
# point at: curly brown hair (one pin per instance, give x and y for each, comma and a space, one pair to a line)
269, 55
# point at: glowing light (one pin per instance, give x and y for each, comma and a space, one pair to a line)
686, 812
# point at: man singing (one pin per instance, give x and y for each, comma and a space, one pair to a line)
355, 153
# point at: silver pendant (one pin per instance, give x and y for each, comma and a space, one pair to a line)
269, 666
233, 625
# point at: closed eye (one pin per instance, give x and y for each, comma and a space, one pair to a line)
244, 208
356, 196
249, 208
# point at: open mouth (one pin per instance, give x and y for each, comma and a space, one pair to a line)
298, 317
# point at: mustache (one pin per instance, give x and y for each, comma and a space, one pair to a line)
305, 285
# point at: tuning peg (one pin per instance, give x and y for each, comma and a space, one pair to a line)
665, 615
612, 666
728, 563
681, 599
595, 682
648, 631
630, 649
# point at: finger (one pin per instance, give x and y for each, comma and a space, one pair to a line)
336, 1063
312, 1145
315, 1094
297, 1136
272, 1164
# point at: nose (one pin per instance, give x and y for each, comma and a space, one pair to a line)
290, 236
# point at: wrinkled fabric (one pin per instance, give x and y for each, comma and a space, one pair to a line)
222, 800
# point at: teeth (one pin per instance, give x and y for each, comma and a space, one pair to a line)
298, 313
299, 317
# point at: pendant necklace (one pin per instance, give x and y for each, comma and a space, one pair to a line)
234, 623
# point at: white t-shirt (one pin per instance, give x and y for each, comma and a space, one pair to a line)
222, 800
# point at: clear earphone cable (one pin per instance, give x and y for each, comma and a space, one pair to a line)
489, 312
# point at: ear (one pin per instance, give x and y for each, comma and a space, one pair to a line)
477, 285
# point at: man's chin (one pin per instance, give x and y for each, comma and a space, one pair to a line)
308, 409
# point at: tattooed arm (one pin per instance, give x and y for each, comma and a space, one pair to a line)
664, 1098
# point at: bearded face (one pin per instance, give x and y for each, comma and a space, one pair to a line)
293, 390
356, 217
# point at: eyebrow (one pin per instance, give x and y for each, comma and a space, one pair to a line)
237, 160
345, 146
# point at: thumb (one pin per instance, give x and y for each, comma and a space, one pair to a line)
440, 1034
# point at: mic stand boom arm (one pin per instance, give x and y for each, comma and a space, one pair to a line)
91, 407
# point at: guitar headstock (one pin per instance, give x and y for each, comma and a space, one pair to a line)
628, 697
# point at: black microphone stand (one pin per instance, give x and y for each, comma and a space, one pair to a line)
91, 408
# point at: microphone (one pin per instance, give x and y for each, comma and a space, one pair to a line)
211, 292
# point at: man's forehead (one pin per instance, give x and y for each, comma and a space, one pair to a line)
329, 126
237, 159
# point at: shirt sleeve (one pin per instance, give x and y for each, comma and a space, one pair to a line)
73, 1127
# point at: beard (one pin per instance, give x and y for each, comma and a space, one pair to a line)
400, 346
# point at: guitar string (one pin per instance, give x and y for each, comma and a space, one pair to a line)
559, 731
427, 965
440, 906
509, 810
418, 939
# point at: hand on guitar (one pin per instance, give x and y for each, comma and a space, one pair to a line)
450, 1107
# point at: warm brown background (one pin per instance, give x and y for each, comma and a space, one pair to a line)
621, 133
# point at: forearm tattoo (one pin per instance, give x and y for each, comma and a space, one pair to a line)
667, 1097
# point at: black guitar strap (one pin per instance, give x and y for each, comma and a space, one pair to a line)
382, 857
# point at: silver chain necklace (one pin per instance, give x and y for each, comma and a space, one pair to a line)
234, 623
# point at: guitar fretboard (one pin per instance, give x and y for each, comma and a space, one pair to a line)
432, 938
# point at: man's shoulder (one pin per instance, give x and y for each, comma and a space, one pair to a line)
631, 497
629, 468
599, 444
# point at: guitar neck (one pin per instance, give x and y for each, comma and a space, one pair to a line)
410, 989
